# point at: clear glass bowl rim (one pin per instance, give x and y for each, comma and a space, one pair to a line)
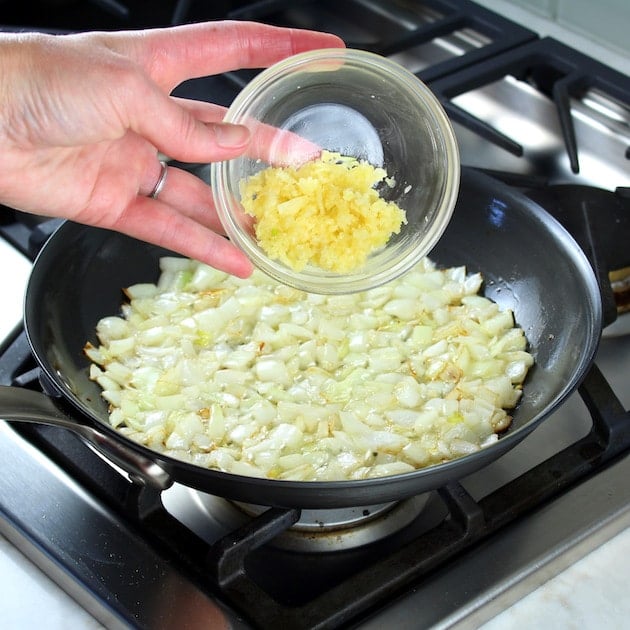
364, 279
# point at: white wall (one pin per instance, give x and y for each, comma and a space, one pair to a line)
599, 28
607, 21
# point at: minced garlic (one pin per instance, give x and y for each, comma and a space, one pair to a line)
325, 212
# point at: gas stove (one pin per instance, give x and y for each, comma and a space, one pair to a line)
529, 110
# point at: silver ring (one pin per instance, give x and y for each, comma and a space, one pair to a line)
159, 186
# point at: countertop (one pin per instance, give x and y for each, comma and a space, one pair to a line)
592, 593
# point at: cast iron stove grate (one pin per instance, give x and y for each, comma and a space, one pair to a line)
555, 69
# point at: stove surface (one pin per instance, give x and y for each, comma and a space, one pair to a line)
134, 558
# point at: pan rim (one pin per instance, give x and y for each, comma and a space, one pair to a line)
447, 468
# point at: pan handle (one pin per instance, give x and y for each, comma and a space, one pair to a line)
25, 405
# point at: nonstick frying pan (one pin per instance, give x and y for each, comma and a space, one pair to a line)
529, 263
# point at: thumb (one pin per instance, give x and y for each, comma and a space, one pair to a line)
176, 132
230, 137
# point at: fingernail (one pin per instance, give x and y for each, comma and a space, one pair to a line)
231, 136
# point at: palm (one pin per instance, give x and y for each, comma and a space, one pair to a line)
91, 184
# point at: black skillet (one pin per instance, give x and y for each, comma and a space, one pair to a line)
529, 262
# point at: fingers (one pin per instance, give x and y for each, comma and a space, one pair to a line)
183, 218
173, 55
170, 56
271, 144
206, 112
177, 132
280, 147
192, 131
192, 197
156, 222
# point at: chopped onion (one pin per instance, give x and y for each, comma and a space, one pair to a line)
256, 378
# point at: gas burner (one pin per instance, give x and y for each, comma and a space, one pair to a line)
330, 530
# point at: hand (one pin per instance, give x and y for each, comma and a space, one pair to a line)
82, 118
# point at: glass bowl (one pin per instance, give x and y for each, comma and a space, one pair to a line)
361, 105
